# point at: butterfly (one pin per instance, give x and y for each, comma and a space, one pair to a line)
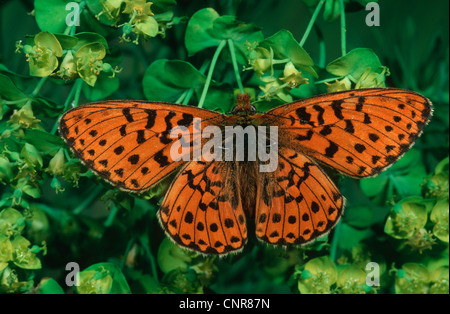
359, 133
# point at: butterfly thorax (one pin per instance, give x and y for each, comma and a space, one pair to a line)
243, 106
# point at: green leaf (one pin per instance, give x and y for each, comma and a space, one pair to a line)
198, 30
67, 42
51, 15
159, 6
104, 86
355, 63
95, 8
9, 90
31, 155
404, 178
219, 98
332, 10
49, 286
350, 236
166, 80
43, 140
207, 28
285, 46
89, 38
359, 216
227, 27
170, 257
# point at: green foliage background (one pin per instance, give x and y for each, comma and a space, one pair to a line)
54, 211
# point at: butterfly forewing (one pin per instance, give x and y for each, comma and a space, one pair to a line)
127, 142
358, 132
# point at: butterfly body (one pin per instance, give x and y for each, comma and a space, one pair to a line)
209, 203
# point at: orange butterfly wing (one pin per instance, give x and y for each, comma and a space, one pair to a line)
128, 143
203, 211
358, 132
297, 203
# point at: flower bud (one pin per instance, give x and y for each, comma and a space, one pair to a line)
57, 163
68, 68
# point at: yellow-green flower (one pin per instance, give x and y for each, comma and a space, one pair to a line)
440, 281
102, 278
372, 79
352, 280
23, 256
141, 7
318, 276
261, 60
406, 218
440, 217
146, 26
292, 76
56, 165
43, 56
338, 86
412, 278
6, 251
95, 282
89, 62
25, 117
111, 8
274, 88
68, 68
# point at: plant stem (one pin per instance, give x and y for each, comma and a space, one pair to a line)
145, 244
188, 96
322, 47
66, 106
343, 29
311, 22
280, 61
79, 85
112, 214
180, 99
334, 242
127, 251
88, 200
210, 72
235, 66
39, 86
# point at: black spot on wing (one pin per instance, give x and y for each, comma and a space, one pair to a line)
127, 114
336, 105
331, 150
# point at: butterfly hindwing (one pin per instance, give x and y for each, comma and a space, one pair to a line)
297, 203
202, 209
128, 143
358, 132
